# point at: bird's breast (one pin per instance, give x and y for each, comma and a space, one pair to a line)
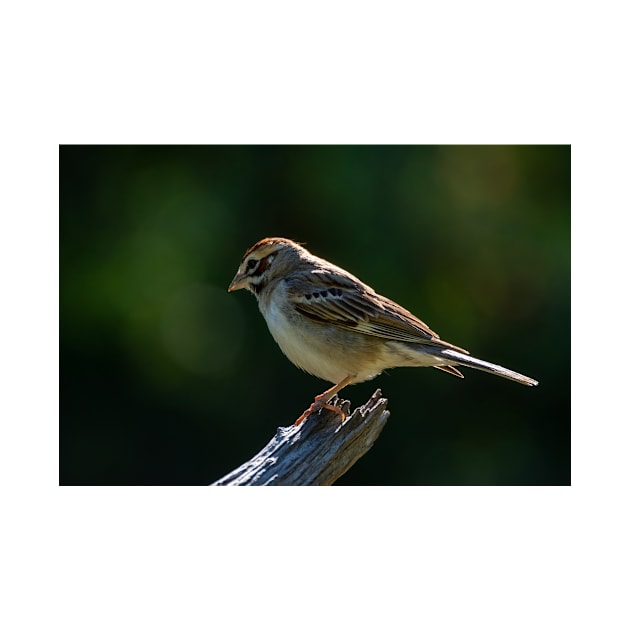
317, 349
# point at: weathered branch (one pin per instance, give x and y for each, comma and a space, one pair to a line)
317, 452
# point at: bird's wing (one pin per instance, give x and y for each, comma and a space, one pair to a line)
340, 300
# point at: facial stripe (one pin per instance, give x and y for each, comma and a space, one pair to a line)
263, 265
258, 280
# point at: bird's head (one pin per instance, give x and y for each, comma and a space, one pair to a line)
266, 260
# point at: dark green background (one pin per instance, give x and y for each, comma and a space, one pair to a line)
167, 379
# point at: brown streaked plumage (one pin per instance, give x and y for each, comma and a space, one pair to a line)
332, 325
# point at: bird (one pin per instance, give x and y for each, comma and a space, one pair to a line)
334, 326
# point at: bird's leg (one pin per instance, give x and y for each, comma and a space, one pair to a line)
322, 401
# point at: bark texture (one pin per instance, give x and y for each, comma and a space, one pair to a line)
317, 452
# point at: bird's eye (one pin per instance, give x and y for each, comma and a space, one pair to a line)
251, 263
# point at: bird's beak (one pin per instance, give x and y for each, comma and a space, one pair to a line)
239, 282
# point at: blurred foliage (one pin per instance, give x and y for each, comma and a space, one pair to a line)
167, 379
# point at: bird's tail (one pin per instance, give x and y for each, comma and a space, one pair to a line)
459, 358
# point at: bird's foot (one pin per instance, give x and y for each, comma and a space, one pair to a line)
320, 402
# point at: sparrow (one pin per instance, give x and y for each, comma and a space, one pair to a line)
334, 326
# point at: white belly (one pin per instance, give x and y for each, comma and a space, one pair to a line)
305, 346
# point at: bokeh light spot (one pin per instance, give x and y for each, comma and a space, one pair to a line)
202, 330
